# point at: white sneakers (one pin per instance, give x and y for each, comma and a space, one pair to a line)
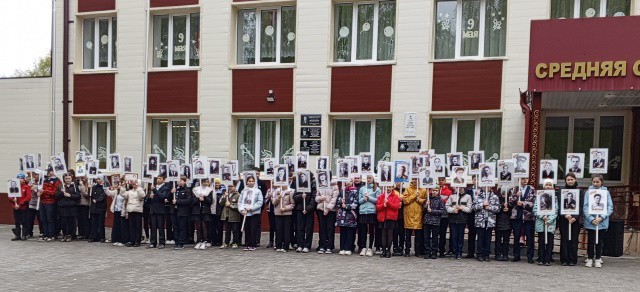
299, 249
363, 251
321, 251
589, 263
341, 252
208, 244
170, 242
378, 252
197, 245
305, 250
347, 253
200, 245
369, 252
598, 263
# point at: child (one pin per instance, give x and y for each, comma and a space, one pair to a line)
521, 201
545, 225
569, 247
250, 205
47, 217
67, 197
326, 203
503, 228
398, 231
134, 197
413, 200
347, 217
486, 204
387, 207
367, 198
433, 210
231, 215
304, 209
201, 211
591, 221
20, 209
283, 204
183, 200
458, 206
97, 210
157, 210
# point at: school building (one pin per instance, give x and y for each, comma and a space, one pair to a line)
247, 80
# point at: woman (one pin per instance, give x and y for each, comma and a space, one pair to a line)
67, 198
413, 200
569, 247
387, 207
594, 250
347, 217
367, 198
545, 225
134, 198
201, 211
83, 208
326, 203
283, 204
250, 205
458, 206
120, 230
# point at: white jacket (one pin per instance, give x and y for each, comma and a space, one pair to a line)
134, 200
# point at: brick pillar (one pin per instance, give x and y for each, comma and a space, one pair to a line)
534, 137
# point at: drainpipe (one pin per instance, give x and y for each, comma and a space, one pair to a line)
65, 82
53, 78
144, 104
526, 110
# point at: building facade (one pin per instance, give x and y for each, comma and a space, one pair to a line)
249, 80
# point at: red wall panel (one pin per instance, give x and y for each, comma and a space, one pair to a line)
251, 87
94, 93
474, 85
96, 5
361, 89
173, 92
166, 3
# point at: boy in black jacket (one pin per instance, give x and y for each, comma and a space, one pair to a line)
67, 197
97, 210
503, 228
182, 199
159, 193
304, 212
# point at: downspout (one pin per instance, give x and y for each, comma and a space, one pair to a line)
526, 110
53, 79
65, 82
144, 104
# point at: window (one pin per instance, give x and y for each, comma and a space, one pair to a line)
374, 24
266, 36
175, 139
99, 43
352, 136
589, 8
98, 138
263, 138
578, 134
176, 40
470, 29
467, 134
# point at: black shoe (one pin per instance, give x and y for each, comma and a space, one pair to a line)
102, 241
161, 246
515, 260
441, 255
434, 256
540, 263
449, 253
564, 264
407, 253
258, 245
530, 261
178, 247
426, 256
129, 244
547, 264
270, 245
136, 245
469, 256
487, 258
571, 264
459, 257
388, 253
480, 259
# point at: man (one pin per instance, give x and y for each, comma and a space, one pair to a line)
302, 161
575, 164
173, 170
505, 175
213, 167
153, 164
475, 161
402, 172
322, 163
79, 156
521, 201
520, 160
454, 161
459, 179
438, 165
344, 170
569, 202
597, 205
303, 183
115, 162
226, 173
547, 173
58, 164
156, 201
127, 164
599, 161
14, 188
270, 167
385, 176
366, 163
199, 168
93, 170
281, 177
487, 176
30, 163
427, 180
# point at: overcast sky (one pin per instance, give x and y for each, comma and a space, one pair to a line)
25, 33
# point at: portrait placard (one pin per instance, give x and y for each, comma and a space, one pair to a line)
597, 202
59, 165
185, 170
163, 170
290, 162
599, 158
30, 162
92, 168
81, 169
487, 174
235, 174
269, 165
438, 162
39, 160
80, 156
355, 165
128, 163
505, 167
366, 167
344, 169
322, 162
385, 173
570, 199
459, 177
303, 183
453, 160
417, 163
130, 177
302, 159
115, 164
201, 168
146, 176
401, 168
546, 202
521, 164
323, 180
475, 158
281, 175
575, 164
548, 170
153, 164
13, 188
173, 170
227, 174
427, 178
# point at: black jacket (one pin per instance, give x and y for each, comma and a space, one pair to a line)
183, 197
156, 205
309, 201
201, 207
100, 205
72, 201
170, 207
503, 218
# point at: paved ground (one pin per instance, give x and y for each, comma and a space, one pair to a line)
80, 266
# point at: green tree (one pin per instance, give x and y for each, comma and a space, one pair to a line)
41, 67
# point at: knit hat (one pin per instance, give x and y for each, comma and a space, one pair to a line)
21, 176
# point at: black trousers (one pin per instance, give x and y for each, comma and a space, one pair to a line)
347, 236
202, 227
529, 229
135, 227
116, 230
272, 225
47, 219
157, 229
67, 224
502, 242
294, 228
250, 229
169, 219
20, 219
304, 233
568, 248
232, 227
398, 234
442, 234
283, 231
386, 237
545, 249
362, 234
219, 231
431, 233
214, 236
83, 221
473, 233
97, 226
419, 238
258, 231
484, 241
594, 249
180, 230
31, 221
146, 223
326, 230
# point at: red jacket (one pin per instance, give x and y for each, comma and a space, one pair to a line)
49, 190
445, 192
390, 212
23, 201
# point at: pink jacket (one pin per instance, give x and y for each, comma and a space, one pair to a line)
286, 202
329, 196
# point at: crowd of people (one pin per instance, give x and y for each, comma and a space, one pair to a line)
386, 221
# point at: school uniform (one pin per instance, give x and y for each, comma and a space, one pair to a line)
82, 218
251, 199
326, 223
503, 229
120, 226
134, 207
458, 220
569, 248
157, 211
184, 201
545, 245
284, 204
304, 227
522, 218
485, 220
201, 210
97, 211
67, 208
431, 225
231, 216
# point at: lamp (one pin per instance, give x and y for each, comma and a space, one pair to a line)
271, 97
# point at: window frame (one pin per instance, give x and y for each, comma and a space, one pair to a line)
187, 52
354, 37
187, 144
258, 11
96, 38
603, 10
256, 153
458, 43
454, 130
596, 138
94, 137
352, 136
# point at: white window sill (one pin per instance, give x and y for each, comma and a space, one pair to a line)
467, 59
101, 13
356, 64
172, 69
95, 71
265, 66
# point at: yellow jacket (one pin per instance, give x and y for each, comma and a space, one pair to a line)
413, 200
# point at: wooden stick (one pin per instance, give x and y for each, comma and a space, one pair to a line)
282, 198
597, 228
569, 231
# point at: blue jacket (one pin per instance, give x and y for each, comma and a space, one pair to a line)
540, 223
368, 206
588, 217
